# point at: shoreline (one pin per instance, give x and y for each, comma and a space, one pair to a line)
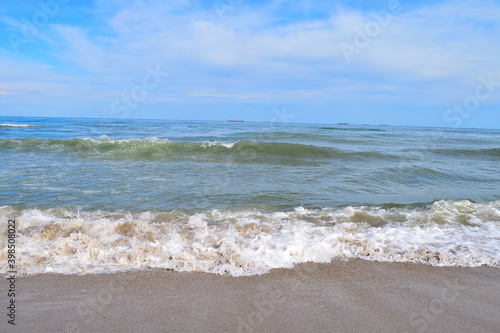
342, 296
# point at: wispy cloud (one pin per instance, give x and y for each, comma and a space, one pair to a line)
260, 53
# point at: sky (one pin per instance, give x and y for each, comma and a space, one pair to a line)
409, 63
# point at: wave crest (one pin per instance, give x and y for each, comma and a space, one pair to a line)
17, 125
155, 148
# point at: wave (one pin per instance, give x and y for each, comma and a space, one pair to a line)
302, 137
248, 242
17, 125
154, 148
491, 152
349, 129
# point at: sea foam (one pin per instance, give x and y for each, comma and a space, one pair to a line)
446, 233
17, 125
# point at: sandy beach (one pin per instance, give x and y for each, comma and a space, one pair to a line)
344, 296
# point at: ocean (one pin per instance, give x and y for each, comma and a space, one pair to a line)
238, 198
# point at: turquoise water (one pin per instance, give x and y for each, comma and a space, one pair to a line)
280, 184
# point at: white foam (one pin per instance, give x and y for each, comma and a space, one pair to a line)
447, 233
206, 144
17, 125
203, 144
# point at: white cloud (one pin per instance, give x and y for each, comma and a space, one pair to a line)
251, 55
413, 44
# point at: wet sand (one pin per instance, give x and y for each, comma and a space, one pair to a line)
344, 296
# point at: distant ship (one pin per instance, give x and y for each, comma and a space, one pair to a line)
343, 124
235, 121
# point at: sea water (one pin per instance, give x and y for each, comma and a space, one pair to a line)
106, 195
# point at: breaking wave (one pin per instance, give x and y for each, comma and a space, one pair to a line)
154, 148
17, 125
445, 233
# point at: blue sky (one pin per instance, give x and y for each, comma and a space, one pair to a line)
422, 63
